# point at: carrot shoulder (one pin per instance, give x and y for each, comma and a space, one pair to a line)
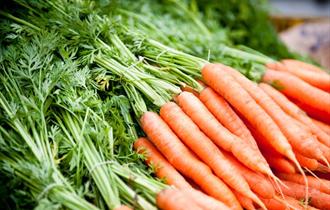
163, 169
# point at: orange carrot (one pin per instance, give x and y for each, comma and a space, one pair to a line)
203, 147
326, 152
184, 161
204, 201
273, 204
309, 163
306, 162
170, 199
317, 183
303, 65
298, 89
300, 139
219, 107
313, 112
163, 169
196, 110
123, 207
317, 79
317, 198
244, 201
232, 91
325, 127
257, 182
279, 163
294, 111
274, 159
284, 204
225, 85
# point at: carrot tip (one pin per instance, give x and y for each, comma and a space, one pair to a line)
258, 201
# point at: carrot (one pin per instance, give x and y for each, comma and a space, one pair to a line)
220, 108
123, 207
277, 203
325, 127
319, 184
225, 85
300, 139
298, 89
317, 79
204, 201
326, 152
204, 148
196, 110
274, 159
313, 112
317, 198
279, 163
170, 199
294, 111
306, 162
257, 182
303, 65
244, 201
273, 204
163, 169
184, 161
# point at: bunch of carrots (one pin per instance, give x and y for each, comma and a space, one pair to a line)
229, 143
237, 144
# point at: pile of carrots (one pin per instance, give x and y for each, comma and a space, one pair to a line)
238, 144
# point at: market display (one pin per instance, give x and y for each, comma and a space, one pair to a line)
158, 105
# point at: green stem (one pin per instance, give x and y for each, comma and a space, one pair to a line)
136, 100
71, 200
130, 74
93, 158
235, 53
19, 20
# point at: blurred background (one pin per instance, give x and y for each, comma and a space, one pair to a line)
304, 26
